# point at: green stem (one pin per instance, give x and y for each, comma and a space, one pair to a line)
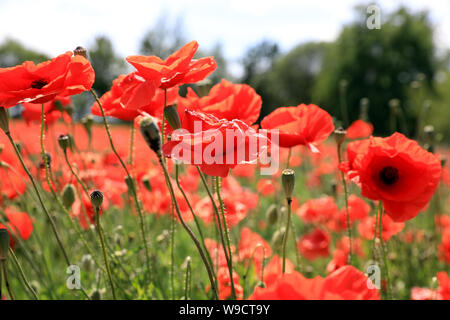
5, 276
105, 255
172, 253
80, 182
349, 227
49, 217
286, 233
130, 159
187, 280
383, 253
49, 178
227, 237
219, 223
22, 274
197, 224
188, 230
133, 185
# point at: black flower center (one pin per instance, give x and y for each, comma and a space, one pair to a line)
389, 175
38, 84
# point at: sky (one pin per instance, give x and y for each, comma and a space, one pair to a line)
55, 26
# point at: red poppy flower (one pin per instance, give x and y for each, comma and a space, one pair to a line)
444, 246
444, 285
64, 75
397, 171
390, 228
253, 246
347, 283
224, 284
215, 145
441, 293
179, 68
19, 223
359, 129
302, 125
423, 294
128, 94
274, 268
217, 254
358, 209
226, 101
52, 109
318, 210
315, 244
266, 187
340, 254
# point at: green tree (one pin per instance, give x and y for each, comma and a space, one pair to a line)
13, 53
106, 63
379, 64
163, 38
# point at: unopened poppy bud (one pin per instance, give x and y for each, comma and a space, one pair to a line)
172, 117
277, 237
80, 51
146, 182
429, 147
87, 263
364, 109
64, 142
96, 198
4, 120
4, 244
272, 214
203, 87
131, 237
68, 195
186, 262
129, 182
288, 181
429, 131
394, 104
339, 136
46, 160
150, 132
96, 295
87, 122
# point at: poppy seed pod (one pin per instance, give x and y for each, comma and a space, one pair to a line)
96, 198
4, 244
150, 132
68, 195
80, 51
288, 181
63, 141
172, 117
4, 120
339, 136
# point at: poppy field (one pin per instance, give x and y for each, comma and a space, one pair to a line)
191, 196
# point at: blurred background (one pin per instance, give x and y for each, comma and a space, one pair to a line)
396, 76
